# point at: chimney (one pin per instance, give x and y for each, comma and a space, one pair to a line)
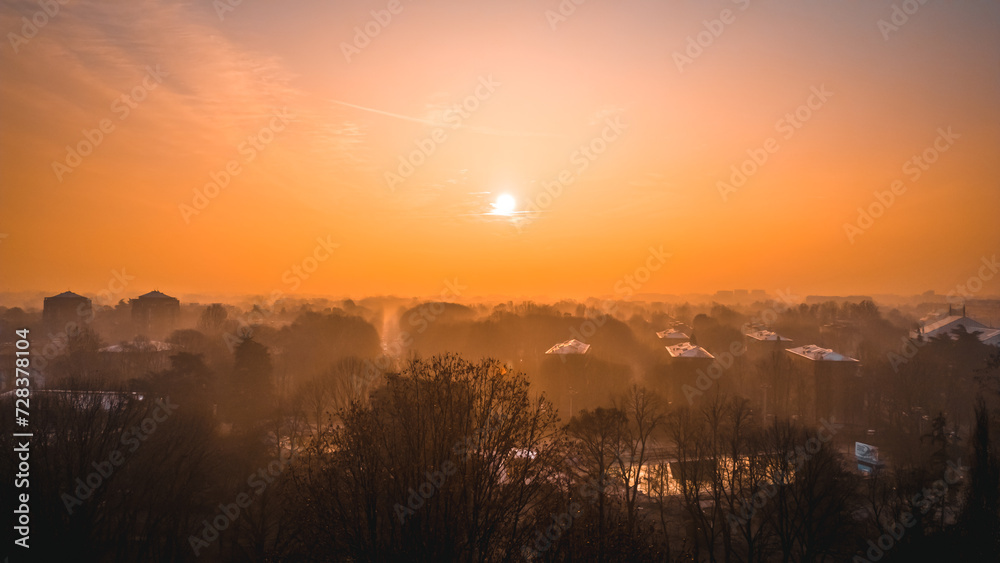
963, 309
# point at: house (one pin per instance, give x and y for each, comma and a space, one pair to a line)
950, 323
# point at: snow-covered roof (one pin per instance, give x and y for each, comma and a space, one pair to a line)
947, 324
767, 335
570, 347
815, 353
672, 334
149, 346
688, 350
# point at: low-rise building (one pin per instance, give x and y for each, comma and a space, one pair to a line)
949, 324
830, 388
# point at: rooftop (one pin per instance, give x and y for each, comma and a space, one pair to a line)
570, 347
155, 295
688, 350
767, 335
672, 334
947, 324
817, 354
66, 295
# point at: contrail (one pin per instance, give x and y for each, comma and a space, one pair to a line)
483, 130
390, 114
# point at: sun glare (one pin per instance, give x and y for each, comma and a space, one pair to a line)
504, 205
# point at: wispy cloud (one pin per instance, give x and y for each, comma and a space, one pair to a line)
441, 123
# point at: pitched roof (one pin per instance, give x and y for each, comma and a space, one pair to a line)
672, 334
688, 350
67, 295
767, 335
571, 346
948, 324
155, 295
817, 354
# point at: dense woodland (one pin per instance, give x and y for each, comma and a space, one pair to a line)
443, 432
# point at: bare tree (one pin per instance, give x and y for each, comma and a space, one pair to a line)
645, 415
448, 461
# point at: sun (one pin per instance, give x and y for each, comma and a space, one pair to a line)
505, 205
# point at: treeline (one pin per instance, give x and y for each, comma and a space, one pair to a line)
902, 383
304, 442
449, 460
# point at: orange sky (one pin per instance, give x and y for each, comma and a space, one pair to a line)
209, 83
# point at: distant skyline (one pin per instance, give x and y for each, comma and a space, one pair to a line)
392, 147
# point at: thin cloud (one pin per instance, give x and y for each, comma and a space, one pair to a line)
473, 128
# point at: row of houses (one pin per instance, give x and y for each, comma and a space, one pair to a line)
153, 313
822, 384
